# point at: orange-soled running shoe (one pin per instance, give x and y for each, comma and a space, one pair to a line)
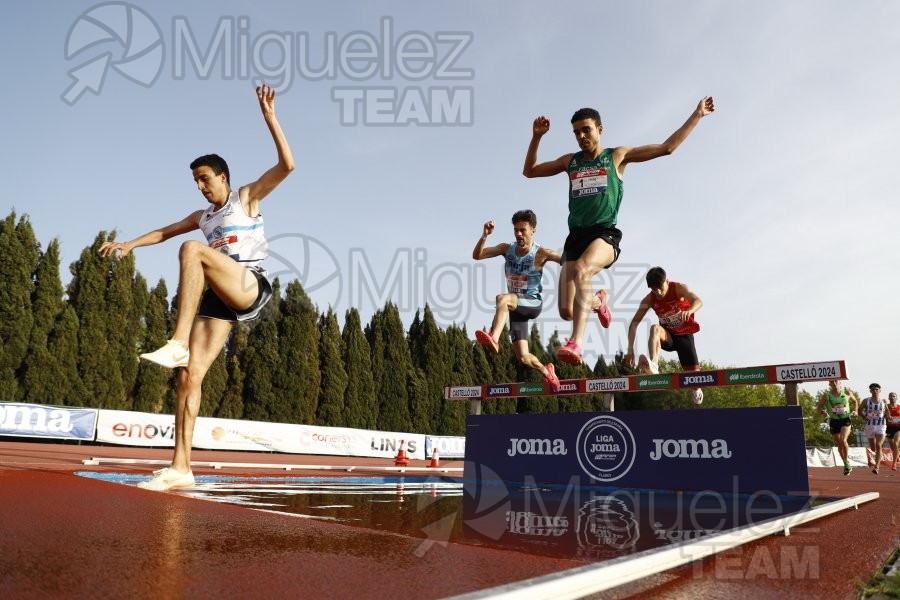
570, 353
551, 378
603, 310
487, 340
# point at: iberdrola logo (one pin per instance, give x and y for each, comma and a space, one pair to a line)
121, 36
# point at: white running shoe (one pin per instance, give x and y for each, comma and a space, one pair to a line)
173, 354
647, 366
698, 396
168, 479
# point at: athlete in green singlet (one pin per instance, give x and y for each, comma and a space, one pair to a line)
595, 194
835, 403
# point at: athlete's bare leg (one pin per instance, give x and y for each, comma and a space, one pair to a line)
199, 264
654, 344
506, 303
840, 440
520, 349
576, 297
208, 337
895, 444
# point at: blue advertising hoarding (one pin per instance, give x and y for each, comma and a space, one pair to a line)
735, 450
57, 422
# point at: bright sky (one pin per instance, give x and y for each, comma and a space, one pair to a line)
776, 211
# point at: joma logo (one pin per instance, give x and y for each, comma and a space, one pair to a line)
536, 446
689, 449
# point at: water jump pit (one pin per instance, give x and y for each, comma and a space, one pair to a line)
586, 523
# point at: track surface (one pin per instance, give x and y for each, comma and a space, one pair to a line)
74, 537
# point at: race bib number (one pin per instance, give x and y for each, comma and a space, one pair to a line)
516, 284
588, 182
839, 410
671, 320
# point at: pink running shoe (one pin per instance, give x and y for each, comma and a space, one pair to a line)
551, 378
487, 340
603, 310
570, 353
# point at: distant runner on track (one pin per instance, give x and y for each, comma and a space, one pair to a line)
835, 403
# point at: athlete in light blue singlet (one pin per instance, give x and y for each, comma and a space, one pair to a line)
525, 260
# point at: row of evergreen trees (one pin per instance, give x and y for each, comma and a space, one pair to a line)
79, 346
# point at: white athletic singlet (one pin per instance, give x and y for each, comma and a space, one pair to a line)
230, 231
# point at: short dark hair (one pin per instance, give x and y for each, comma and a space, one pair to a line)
214, 162
655, 277
587, 113
525, 215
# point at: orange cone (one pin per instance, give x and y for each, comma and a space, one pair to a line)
401, 459
434, 459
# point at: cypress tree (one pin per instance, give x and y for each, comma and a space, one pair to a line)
261, 400
153, 384
333, 376
417, 389
41, 379
62, 344
19, 253
232, 405
430, 356
298, 375
126, 300
98, 366
392, 381
214, 386
360, 401
462, 372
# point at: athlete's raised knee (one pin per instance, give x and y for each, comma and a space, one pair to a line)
190, 248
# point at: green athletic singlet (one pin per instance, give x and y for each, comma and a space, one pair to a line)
595, 191
838, 407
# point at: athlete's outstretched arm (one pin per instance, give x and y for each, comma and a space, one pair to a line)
532, 168
261, 188
189, 223
632, 328
480, 252
624, 154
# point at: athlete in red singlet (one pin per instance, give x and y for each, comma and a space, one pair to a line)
893, 427
675, 304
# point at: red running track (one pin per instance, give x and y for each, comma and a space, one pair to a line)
65, 536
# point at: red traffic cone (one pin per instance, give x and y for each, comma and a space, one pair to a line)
401, 459
434, 459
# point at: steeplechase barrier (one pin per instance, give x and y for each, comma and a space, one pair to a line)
789, 375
